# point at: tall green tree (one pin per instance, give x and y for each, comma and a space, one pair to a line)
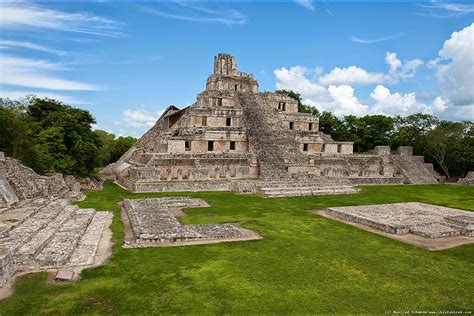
411, 130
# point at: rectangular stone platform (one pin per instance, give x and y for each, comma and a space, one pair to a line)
153, 220
426, 220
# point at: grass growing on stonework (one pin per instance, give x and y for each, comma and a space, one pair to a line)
304, 264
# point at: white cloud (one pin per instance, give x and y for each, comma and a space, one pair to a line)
341, 99
196, 13
436, 9
388, 103
15, 95
296, 78
398, 69
345, 102
36, 74
308, 4
375, 40
9, 44
352, 75
140, 118
338, 99
455, 67
31, 17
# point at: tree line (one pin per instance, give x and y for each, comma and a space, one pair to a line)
46, 134
449, 145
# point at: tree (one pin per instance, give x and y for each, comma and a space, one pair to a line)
15, 131
411, 130
441, 142
329, 124
112, 149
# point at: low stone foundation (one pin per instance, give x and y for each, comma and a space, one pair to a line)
425, 220
153, 221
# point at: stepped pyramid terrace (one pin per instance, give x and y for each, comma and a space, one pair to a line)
237, 138
40, 229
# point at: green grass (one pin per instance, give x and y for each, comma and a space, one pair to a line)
304, 264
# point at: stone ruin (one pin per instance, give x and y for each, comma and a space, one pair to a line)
153, 221
235, 138
430, 222
39, 227
468, 179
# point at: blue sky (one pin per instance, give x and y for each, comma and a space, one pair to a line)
125, 62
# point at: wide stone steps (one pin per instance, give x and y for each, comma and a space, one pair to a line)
29, 250
61, 247
53, 235
414, 170
264, 131
306, 191
35, 221
88, 244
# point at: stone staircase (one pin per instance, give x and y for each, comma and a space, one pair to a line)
274, 146
414, 170
299, 187
53, 234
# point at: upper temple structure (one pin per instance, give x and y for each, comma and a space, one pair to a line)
237, 138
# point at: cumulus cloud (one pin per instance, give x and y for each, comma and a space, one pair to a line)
455, 68
388, 103
398, 69
140, 118
352, 75
344, 95
339, 99
135, 122
298, 78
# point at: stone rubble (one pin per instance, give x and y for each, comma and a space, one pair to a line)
425, 220
152, 220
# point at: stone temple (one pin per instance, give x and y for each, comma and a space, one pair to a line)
237, 138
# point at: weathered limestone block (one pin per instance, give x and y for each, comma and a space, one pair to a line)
429, 221
7, 195
469, 179
405, 151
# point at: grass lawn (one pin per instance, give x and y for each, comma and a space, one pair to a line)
304, 264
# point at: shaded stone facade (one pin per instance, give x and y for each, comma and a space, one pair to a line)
234, 137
